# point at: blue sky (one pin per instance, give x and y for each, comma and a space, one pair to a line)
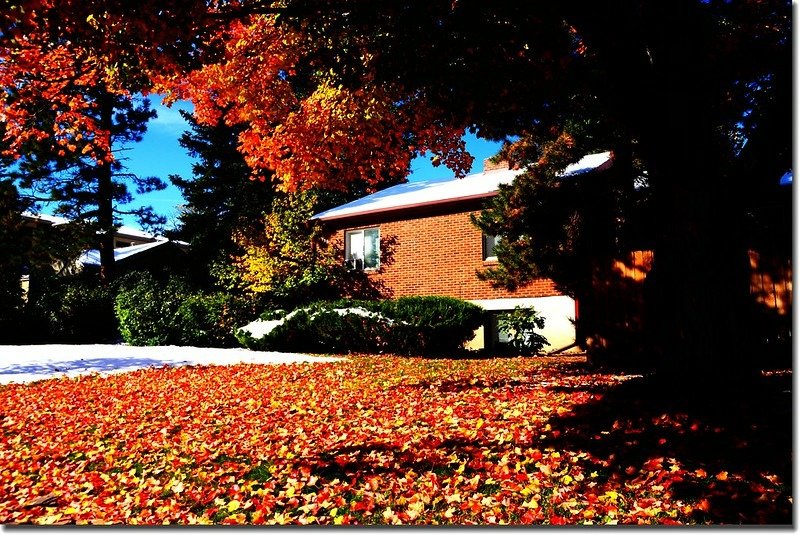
159, 154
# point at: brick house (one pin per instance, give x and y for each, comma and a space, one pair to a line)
417, 239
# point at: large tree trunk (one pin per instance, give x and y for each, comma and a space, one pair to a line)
105, 199
697, 295
698, 291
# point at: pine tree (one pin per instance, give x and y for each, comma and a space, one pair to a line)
222, 197
93, 192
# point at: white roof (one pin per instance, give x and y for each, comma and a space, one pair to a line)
92, 256
135, 233
52, 219
123, 230
439, 191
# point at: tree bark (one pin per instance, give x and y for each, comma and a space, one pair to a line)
698, 298
105, 199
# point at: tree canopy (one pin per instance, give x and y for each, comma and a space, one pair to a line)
692, 98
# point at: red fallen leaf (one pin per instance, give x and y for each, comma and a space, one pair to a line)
558, 520
367, 504
529, 517
722, 476
703, 505
365, 412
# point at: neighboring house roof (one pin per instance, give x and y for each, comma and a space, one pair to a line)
123, 231
51, 219
129, 232
92, 256
447, 190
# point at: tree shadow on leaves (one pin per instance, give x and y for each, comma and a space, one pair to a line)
730, 451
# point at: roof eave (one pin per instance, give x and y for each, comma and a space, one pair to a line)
362, 213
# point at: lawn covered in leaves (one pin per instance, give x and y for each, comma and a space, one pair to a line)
380, 439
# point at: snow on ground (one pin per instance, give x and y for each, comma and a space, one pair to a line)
23, 364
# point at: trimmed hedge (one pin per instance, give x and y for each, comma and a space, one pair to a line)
171, 312
409, 325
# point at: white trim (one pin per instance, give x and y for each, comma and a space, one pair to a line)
558, 312
507, 303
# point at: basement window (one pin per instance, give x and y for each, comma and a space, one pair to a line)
362, 248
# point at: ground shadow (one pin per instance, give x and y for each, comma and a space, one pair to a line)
100, 365
732, 444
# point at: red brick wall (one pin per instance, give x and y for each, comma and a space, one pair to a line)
437, 254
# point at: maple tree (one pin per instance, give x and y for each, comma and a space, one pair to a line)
329, 93
385, 440
284, 259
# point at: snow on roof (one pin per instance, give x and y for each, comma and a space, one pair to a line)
92, 256
440, 191
52, 219
135, 233
124, 230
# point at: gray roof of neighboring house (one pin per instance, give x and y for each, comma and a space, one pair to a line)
91, 257
52, 219
440, 191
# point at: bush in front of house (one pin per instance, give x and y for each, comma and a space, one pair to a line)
521, 325
416, 325
428, 325
158, 311
71, 309
209, 319
318, 328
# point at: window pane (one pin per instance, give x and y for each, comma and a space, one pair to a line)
355, 245
371, 248
489, 243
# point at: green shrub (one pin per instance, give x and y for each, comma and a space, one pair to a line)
208, 320
431, 324
416, 325
521, 325
12, 307
320, 328
152, 311
147, 309
69, 309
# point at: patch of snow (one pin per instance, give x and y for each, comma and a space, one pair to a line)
260, 328
23, 364
363, 312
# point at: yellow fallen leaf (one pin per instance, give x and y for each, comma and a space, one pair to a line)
233, 505
50, 519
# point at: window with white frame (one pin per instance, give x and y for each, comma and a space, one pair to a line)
489, 243
362, 248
